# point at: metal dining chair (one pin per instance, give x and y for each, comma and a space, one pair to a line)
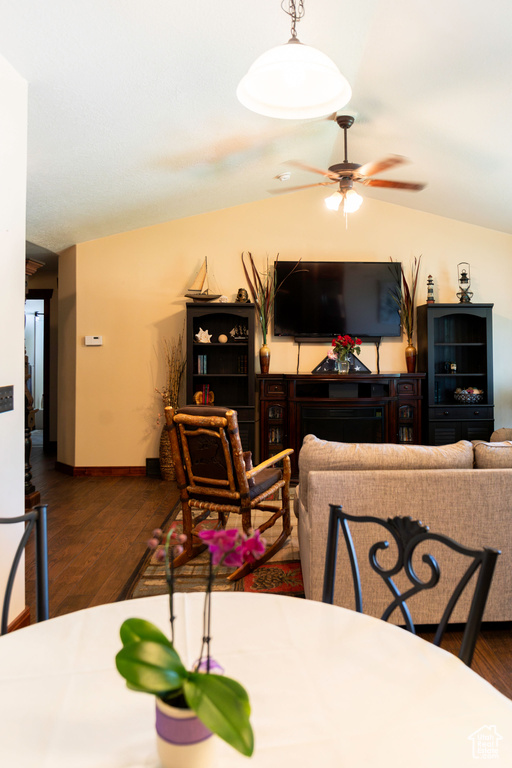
35, 520
407, 535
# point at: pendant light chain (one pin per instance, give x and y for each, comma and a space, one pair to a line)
295, 11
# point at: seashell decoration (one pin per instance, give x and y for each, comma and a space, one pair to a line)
203, 336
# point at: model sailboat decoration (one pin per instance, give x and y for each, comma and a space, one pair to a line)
199, 290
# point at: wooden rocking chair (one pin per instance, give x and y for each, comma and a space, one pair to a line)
215, 475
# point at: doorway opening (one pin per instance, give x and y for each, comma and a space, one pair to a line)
37, 349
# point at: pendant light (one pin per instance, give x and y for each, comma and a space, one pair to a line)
294, 81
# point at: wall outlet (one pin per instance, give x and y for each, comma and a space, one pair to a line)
6, 399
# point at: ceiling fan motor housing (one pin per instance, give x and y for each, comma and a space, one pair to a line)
346, 184
342, 168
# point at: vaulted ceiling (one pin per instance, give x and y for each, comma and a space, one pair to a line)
133, 117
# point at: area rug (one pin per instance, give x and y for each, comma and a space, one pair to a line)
282, 575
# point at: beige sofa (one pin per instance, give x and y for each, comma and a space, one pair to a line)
463, 490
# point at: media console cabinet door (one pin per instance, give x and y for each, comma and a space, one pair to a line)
352, 408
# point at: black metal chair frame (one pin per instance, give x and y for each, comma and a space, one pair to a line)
408, 534
35, 520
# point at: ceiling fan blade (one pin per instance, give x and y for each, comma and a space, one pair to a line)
370, 169
411, 185
321, 171
304, 186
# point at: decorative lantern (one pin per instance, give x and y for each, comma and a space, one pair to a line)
464, 275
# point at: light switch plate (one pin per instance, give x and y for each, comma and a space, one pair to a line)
6, 398
94, 341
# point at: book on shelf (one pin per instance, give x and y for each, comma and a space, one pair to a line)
202, 364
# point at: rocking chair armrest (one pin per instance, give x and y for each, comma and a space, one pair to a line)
269, 462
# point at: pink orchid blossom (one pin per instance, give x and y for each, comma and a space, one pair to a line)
222, 545
222, 537
233, 548
233, 559
253, 548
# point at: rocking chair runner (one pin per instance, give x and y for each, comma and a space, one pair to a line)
215, 475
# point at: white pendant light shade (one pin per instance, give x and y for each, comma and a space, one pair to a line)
334, 201
294, 81
352, 201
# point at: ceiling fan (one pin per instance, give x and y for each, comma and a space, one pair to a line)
345, 174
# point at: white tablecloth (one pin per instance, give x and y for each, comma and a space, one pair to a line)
329, 688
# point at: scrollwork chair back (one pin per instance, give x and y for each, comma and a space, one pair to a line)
407, 535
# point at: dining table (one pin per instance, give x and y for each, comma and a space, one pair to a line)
329, 688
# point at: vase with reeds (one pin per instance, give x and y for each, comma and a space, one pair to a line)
405, 297
175, 367
263, 288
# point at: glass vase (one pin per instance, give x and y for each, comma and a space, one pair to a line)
342, 366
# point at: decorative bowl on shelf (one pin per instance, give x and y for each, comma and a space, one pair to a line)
468, 396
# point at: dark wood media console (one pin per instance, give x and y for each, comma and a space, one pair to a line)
366, 408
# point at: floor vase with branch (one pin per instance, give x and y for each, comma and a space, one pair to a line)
175, 367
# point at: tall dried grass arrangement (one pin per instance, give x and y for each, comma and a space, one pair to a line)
175, 368
263, 290
405, 297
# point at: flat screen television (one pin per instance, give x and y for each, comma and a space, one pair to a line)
321, 299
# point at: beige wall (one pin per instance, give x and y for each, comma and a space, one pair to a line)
13, 163
130, 290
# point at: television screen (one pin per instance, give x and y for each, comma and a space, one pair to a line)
322, 299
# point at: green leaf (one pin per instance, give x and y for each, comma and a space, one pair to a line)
151, 667
223, 706
135, 630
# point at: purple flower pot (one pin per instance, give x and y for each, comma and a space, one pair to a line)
182, 739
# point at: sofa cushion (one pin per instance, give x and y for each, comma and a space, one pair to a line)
321, 455
504, 433
493, 455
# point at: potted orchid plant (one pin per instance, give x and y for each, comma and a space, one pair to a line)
210, 702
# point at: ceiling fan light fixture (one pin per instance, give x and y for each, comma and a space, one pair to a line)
334, 201
348, 196
294, 81
351, 201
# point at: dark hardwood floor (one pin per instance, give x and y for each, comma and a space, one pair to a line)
97, 533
